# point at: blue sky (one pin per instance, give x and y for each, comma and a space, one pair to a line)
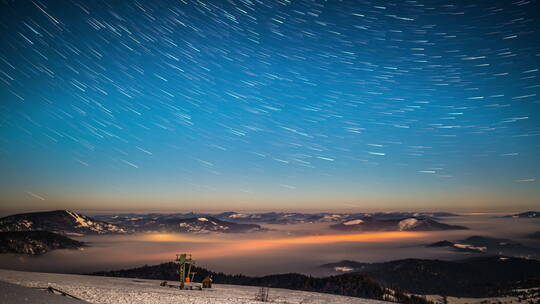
261, 105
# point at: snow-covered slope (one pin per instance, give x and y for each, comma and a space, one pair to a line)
120, 290
60, 221
209, 224
407, 224
17, 294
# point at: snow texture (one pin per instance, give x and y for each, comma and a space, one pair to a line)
96, 289
407, 224
16, 294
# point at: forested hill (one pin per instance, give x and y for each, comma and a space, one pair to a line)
349, 284
476, 277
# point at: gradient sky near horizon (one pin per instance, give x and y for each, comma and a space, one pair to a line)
264, 105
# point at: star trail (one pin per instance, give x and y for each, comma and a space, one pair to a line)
246, 104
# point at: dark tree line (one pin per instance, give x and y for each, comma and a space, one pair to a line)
353, 285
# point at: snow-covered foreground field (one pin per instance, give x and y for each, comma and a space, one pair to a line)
123, 290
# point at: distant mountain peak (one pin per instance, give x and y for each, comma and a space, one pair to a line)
60, 221
407, 224
527, 214
371, 223
488, 245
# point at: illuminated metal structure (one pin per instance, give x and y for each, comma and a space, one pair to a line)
185, 262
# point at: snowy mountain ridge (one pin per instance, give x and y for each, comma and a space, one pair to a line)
199, 224
272, 217
59, 221
394, 224
71, 223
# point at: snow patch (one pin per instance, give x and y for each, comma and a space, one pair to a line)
99, 227
407, 224
26, 224
353, 222
332, 217
470, 247
239, 215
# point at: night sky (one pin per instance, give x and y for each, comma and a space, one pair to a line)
265, 105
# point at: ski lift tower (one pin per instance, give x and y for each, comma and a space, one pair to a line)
184, 261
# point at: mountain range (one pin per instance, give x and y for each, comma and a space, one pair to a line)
59, 221
188, 225
397, 224
71, 223
488, 245
270, 217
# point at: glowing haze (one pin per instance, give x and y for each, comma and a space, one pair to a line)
269, 105
237, 247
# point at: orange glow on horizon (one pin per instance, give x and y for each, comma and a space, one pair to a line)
359, 237
172, 237
226, 247
254, 245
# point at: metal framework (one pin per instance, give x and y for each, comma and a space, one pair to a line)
184, 261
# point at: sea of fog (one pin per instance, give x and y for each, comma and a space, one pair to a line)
285, 248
